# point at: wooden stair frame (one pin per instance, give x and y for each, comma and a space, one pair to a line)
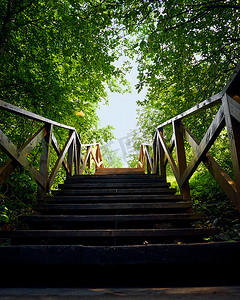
107, 210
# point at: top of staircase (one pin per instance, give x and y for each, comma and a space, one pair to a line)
109, 171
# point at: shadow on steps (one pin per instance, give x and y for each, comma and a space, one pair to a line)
169, 275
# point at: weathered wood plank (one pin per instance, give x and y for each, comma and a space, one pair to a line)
212, 101
60, 159
58, 151
110, 218
181, 158
85, 160
155, 155
25, 149
234, 108
171, 148
113, 198
110, 206
234, 141
45, 159
210, 136
119, 171
9, 148
70, 156
115, 185
168, 155
221, 176
118, 191
109, 233
19, 111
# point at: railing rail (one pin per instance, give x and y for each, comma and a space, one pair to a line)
94, 152
45, 135
145, 158
228, 116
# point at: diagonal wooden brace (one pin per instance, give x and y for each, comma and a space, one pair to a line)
18, 156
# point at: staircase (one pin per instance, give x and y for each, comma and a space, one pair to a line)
118, 207
121, 225
119, 228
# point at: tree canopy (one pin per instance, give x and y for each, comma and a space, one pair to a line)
57, 56
57, 59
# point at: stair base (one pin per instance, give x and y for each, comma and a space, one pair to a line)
216, 252
155, 266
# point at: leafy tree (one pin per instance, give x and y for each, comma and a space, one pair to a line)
56, 60
185, 51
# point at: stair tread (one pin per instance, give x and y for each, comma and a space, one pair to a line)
106, 218
104, 185
180, 204
114, 198
101, 179
111, 209
105, 191
116, 177
110, 232
119, 171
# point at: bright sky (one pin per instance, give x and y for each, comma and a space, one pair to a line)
121, 114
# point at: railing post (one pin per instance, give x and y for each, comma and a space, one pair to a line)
143, 158
88, 164
155, 156
70, 156
98, 156
181, 157
78, 154
148, 163
45, 160
233, 129
161, 157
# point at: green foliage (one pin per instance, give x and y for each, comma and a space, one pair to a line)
3, 213
56, 60
186, 51
17, 195
218, 211
110, 158
89, 171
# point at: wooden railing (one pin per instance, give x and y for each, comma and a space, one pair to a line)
145, 159
69, 156
94, 152
228, 116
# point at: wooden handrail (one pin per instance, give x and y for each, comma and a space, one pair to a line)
145, 158
228, 116
22, 112
45, 135
94, 151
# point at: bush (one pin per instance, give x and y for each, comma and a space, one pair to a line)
217, 210
17, 195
